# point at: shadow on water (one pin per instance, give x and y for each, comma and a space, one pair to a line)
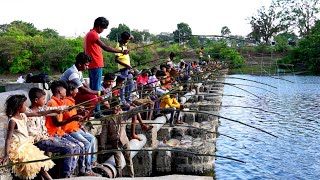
295, 154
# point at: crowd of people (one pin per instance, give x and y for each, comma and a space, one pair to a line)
57, 125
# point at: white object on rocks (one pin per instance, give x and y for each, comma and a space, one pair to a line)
20, 80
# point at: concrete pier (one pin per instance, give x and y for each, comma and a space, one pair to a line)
173, 150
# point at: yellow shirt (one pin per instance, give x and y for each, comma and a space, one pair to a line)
200, 54
167, 102
123, 58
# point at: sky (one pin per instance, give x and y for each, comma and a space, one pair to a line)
72, 18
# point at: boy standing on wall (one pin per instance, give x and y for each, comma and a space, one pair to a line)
93, 46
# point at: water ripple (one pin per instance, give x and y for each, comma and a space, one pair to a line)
293, 115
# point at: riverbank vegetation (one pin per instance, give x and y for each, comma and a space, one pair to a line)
286, 32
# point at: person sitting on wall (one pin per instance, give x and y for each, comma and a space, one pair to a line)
74, 73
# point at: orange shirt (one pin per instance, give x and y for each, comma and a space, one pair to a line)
93, 49
74, 125
167, 82
52, 129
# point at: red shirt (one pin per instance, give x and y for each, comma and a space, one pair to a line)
52, 129
142, 80
93, 49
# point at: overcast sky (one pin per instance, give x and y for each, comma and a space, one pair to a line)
76, 17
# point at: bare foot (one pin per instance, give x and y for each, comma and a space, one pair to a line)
136, 137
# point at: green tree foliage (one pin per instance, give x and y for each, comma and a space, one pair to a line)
307, 52
115, 32
49, 33
225, 31
266, 24
282, 41
183, 33
19, 28
299, 14
194, 42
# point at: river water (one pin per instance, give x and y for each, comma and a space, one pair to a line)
290, 111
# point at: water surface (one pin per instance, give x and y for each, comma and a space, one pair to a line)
291, 112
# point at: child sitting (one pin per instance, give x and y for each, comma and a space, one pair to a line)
168, 104
19, 146
77, 131
38, 130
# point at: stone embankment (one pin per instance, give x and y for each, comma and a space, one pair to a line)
186, 149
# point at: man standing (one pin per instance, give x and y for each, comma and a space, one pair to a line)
93, 46
200, 55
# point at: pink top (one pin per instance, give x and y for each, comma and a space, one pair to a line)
142, 80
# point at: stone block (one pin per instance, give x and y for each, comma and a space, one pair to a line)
142, 163
200, 98
189, 118
162, 161
150, 135
164, 133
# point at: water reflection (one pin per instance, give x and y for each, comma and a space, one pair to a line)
295, 154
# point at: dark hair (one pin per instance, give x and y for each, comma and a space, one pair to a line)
163, 65
71, 86
120, 79
160, 73
35, 93
109, 76
83, 58
172, 55
56, 85
115, 101
125, 35
154, 69
14, 104
101, 22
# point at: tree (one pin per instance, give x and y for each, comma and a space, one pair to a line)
225, 31
299, 14
50, 33
183, 33
308, 51
266, 24
165, 36
194, 42
115, 32
28, 29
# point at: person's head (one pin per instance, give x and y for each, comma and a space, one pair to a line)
195, 62
120, 81
16, 104
59, 89
201, 48
37, 97
163, 67
108, 79
125, 37
160, 74
145, 72
82, 61
100, 24
72, 89
182, 65
172, 56
116, 107
154, 71
168, 68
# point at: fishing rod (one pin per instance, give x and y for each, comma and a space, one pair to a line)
121, 150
